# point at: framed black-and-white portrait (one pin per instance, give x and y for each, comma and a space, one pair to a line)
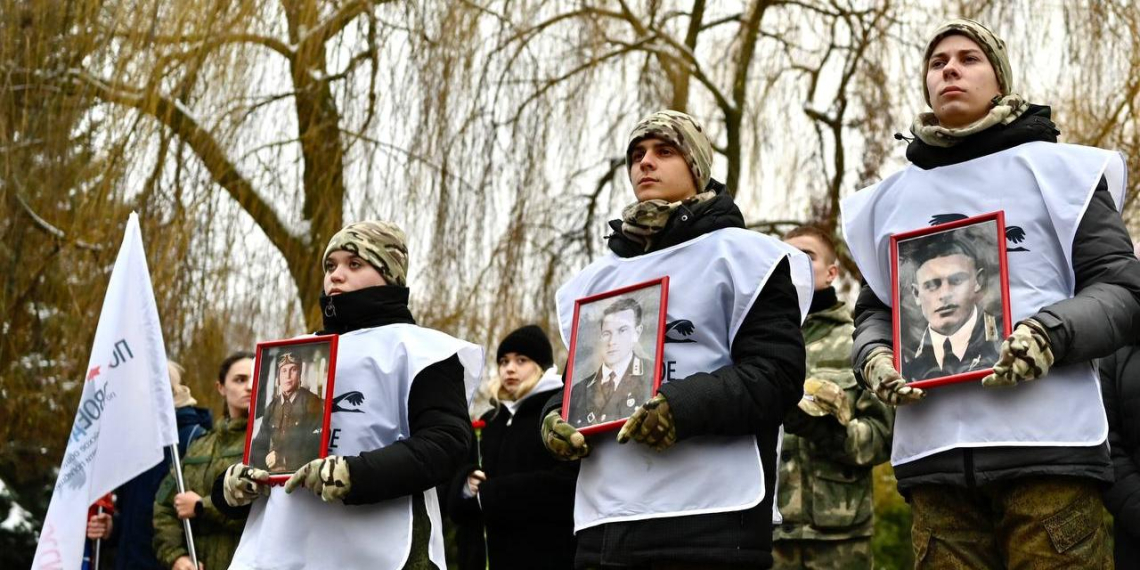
616, 348
950, 300
290, 408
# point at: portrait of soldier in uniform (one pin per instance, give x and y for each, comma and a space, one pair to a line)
623, 380
956, 334
290, 432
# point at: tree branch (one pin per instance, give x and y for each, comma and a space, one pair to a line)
214, 40
51, 230
213, 157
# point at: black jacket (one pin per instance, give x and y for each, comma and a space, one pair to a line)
1103, 316
527, 501
749, 397
1120, 387
437, 413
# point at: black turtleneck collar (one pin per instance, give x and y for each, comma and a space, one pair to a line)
823, 299
1033, 125
365, 308
686, 223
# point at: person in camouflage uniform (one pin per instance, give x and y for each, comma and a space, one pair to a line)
215, 535
834, 436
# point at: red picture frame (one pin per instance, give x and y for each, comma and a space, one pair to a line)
969, 231
608, 311
312, 355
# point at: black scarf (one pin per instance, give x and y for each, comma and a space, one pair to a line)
365, 308
823, 300
1033, 125
686, 223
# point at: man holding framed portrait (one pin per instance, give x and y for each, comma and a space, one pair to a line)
733, 366
1006, 472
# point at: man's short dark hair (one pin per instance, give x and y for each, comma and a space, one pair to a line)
942, 245
817, 233
626, 304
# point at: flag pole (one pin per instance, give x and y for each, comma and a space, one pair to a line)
182, 489
98, 545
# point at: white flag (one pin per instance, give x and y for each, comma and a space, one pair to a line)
126, 414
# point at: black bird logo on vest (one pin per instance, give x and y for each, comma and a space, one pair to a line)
355, 398
1013, 234
679, 331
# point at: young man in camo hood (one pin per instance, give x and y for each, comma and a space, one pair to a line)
1006, 472
733, 366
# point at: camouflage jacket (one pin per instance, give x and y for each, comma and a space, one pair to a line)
825, 469
215, 535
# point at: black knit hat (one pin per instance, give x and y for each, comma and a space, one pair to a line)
530, 342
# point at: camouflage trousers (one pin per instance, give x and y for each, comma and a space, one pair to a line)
1039, 522
849, 554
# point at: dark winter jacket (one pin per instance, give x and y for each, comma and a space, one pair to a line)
527, 501
1103, 315
437, 413
749, 397
134, 509
215, 536
1120, 386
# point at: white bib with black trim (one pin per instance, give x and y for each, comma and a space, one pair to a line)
714, 280
1044, 189
374, 372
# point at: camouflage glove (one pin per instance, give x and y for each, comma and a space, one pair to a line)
1025, 355
561, 439
243, 484
886, 382
651, 424
824, 397
327, 478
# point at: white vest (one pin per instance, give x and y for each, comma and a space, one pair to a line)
713, 281
1044, 189
299, 531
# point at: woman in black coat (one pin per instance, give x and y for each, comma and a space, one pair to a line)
513, 489
1120, 387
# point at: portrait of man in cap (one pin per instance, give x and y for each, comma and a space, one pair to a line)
622, 380
955, 334
290, 433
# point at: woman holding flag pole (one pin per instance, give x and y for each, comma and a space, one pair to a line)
216, 536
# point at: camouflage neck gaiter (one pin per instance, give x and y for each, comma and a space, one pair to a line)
640, 221
1005, 110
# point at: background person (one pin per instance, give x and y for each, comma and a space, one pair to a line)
833, 438
133, 527
215, 535
1120, 387
522, 496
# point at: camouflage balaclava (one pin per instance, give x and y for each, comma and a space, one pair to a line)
681, 131
1006, 107
642, 220
382, 244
